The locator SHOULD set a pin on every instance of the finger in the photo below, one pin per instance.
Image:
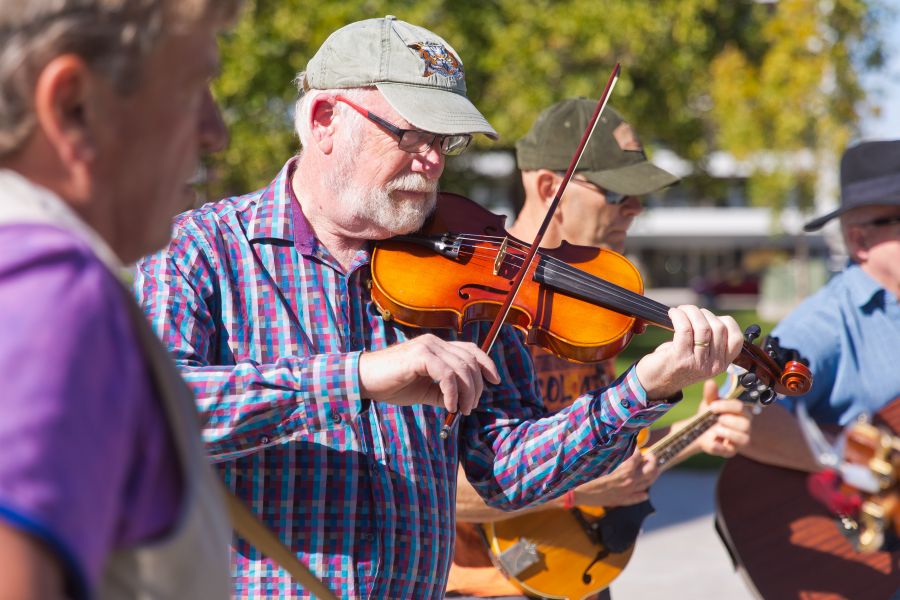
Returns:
(702, 335)
(710, 392)
(735, 337)
(728, 406)
(718, 340)
(468, 370)
(738, 423)
(442, 373)
(683, 336)
(722, 448)
(488, 368)
(636, 498)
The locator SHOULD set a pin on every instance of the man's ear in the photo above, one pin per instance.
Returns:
(60, 97)
(857, 243)
(546, 183)
(322, 116)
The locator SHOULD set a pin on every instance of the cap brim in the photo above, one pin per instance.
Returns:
(633, 180)
(819, 222)
(436, 110)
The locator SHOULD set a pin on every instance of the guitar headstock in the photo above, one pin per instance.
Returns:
(770, 369)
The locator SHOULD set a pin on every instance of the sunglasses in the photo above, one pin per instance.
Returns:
(610, 196)
(415, 141)
(882, 221)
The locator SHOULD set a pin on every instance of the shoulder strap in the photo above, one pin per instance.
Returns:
(248, 526)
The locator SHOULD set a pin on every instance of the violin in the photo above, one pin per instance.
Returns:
(580, 303)
(487, 270)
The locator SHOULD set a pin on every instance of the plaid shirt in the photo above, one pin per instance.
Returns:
(268, 328)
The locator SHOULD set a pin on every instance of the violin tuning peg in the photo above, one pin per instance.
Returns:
(767, 397)
(748, 380)
(751, 333)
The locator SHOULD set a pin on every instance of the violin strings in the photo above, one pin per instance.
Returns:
(634, 301)
(628, 300)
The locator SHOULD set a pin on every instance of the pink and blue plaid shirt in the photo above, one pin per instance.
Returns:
(268, 329)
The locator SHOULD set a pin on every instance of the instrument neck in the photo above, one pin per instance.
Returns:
(666, 449)
(564, 278)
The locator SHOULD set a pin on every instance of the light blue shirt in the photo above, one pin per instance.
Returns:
(850, 333)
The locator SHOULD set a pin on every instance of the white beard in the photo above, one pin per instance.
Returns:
(377, 209)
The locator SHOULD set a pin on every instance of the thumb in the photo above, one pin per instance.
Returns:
(710, 391)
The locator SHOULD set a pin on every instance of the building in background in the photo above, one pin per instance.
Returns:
(715, 251)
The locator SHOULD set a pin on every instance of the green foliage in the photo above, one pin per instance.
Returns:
(698, 75)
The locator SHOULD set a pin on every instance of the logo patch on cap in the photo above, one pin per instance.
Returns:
(438, 60)
(627, 138)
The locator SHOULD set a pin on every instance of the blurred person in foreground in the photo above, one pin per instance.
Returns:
(601, 201)
(850, 329)
(324, 415)
(104, 490)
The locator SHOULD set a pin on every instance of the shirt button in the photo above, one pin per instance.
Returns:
(625, 404)
(336, 417)
(264, 439)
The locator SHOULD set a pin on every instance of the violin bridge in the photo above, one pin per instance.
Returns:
(501, 254)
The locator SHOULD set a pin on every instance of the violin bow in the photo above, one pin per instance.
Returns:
(494, 332)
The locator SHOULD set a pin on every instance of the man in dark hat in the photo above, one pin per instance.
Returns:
(849, 330)
(597, 209)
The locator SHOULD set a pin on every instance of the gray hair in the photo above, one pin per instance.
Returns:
(304, 104)
(113, 36)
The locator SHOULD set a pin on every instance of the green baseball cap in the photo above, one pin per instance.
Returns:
(419, 74)
(614, 158)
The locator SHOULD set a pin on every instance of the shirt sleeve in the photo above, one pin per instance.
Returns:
(245, 405)
(66, 371)
(812, 330)
(516, 455)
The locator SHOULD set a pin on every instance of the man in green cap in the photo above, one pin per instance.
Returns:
(597, 208)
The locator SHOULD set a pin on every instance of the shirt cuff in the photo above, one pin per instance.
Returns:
(623, 408)
(334, 399)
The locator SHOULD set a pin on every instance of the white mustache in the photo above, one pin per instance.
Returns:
(412, 182)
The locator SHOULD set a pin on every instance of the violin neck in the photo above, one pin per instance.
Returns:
(564, 278)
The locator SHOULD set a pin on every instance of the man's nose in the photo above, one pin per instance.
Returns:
(430, 162)
(213, 136)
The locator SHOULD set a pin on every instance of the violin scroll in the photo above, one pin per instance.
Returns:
(771, 369)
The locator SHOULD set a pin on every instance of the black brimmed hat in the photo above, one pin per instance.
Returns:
(870, 175)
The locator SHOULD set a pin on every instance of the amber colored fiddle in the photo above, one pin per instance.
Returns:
(579, 302)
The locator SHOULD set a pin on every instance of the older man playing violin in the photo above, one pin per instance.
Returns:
(323, 415)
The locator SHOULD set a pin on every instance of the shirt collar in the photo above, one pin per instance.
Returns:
(863, 289)
(273, 215)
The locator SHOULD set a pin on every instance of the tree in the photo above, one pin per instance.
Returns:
(745, 77)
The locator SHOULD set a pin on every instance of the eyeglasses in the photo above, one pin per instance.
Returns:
(882, 221)
(611, 196)
(416, 140)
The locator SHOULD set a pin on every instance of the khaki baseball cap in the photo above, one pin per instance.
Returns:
(419, 74)
(614, 158)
